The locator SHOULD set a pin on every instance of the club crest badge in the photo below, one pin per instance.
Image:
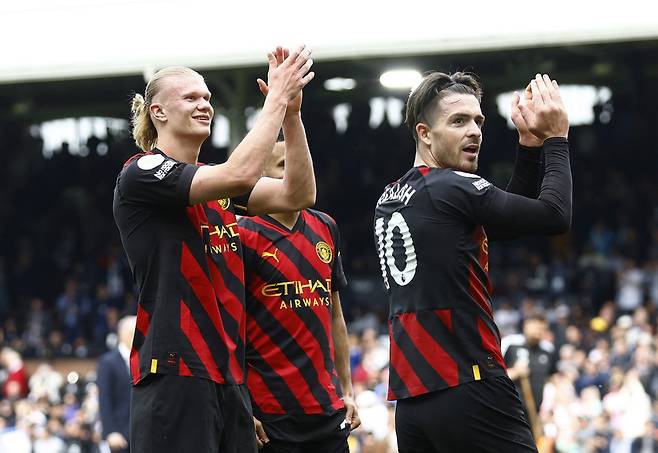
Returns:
(324, 252)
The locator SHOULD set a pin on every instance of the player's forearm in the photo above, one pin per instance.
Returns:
(508, 215)
(248, 158)
(299, 178)
(342, 355)
(526, 177)
(556, 188)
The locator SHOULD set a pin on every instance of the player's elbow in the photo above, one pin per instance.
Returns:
(307, 199)
(301, 198)
(561, 223)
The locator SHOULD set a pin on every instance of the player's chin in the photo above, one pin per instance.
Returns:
(469, 166)
(202, 131)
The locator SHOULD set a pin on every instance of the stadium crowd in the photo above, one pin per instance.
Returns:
(64, 284)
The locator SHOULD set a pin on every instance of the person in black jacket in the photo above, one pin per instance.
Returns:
(114, 388)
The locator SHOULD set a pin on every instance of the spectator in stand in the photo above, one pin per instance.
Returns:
(15, 385)
(114, 388)
(531, 361)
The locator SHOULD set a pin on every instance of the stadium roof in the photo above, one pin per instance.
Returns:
(65, 39)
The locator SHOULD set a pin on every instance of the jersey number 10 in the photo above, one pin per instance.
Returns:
(385, 247)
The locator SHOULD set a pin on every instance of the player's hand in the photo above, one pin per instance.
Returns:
(545, 114)
(294, 106)
(116, 441)
(288, 73)
(352, 415)
(261, 437)
(526, 138)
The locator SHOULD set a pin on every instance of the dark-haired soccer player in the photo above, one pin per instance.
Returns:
(179, 230)
(297, 352)
(431, 229)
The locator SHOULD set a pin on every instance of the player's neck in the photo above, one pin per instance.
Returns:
(425, 158)
(287, 219)
(179, 149)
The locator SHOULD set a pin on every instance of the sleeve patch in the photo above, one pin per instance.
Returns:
(166, 167)
(150, 161)
(481, 184)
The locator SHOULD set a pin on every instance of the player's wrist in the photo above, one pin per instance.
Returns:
(529, 141)
(275, 100)
(293, 114)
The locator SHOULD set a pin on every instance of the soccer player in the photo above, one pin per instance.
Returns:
(431, 227)
(298, 370)
(178, 227)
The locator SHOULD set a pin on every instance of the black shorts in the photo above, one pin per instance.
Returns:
(179, 414)
(306, 434)
(479, 416)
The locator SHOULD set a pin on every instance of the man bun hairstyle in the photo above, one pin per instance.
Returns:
(144, 131)
(436, 85)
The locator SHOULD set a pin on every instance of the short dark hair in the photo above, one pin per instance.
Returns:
(437, 85)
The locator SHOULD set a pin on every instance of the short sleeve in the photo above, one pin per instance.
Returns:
(240, 204)
(157, 180)
(338, 279)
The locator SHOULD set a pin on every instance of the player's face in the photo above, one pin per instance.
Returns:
(186, 105)
(456, 133)
(276, 162)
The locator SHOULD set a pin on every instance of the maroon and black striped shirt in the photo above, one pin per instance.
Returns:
(431, 231)
(290, 275)
(187, 265)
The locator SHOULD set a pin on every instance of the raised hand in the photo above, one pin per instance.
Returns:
(288, 73)
(294, 106)
(526, 138)
(545, 114)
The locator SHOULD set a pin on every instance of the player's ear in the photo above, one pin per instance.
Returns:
(423, 132)
(157, 112)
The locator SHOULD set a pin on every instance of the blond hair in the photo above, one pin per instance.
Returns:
(144, 131)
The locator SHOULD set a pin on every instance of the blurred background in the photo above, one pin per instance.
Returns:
(578, 312)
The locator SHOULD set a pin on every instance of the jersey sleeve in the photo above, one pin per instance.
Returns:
(507, 215)
(526, 176)
(156, 180)
(240, 204)
(249, 243)
(338, 278)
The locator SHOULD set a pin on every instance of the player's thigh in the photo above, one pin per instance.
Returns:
(411, 425)
(237, 422)
(280, 446)
(172, 413)
(493, 418)
(334, 443)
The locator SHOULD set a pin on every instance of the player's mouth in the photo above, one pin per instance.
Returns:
(471, 149)
(202, 118)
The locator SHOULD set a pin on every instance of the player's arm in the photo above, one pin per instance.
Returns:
(242, 170)
(296, 190)
(526, 176)
(508, 215)
(342, 359)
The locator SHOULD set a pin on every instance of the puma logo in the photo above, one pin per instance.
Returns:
(271, 255)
